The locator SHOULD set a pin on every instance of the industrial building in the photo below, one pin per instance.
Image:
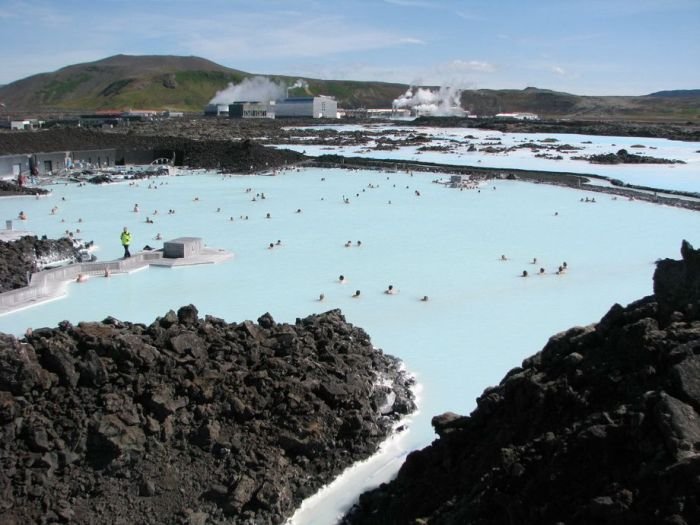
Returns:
(291, 107)
(26, 124)
(53, 162)
(518, 116)
(251, 110)
(57, 162)
(311, 107)
(216, 110)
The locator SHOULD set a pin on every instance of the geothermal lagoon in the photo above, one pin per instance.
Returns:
(482, 317)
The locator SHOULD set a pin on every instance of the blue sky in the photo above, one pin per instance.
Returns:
(591, 47)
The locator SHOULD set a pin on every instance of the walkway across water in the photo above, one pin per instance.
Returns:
(51, 284)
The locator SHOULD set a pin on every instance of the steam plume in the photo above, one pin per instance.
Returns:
(300, 84)
(254, 89)
(423, 101)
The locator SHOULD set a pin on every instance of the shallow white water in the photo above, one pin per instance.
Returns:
(481, 320)
(682, 177)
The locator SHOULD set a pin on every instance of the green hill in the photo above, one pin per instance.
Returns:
(161, 82)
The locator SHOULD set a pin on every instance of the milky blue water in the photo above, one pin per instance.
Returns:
(683, 177)
(481, 319)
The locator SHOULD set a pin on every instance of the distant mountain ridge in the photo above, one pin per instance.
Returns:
(187, 83)
(556, 104)
(677, 93)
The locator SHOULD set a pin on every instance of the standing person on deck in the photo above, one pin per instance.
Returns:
(126, 241)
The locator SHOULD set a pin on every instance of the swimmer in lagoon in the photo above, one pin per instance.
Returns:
(81, 278)
(524, 273)
(390, 290)
(357, 293)
(424, 298)
(22, 216)
(341, 279)
(541, 271)
(504, 258)
(321, 297)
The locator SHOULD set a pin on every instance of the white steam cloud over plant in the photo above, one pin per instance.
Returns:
(254, 89)
(441, 103)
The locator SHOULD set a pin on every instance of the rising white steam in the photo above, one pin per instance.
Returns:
(422, 101)
(300, 84)
(254, 89)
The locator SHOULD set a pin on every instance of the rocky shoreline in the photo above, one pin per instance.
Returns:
(687, 131)
(237, 146)
(8, 188)
(29, 254)
(674, 198)
(601, 426)
(188, 420)
(230, 156)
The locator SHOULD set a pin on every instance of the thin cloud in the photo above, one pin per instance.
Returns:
(304, 38)
(468, 16)
(409, 40)
(411, 3)
(471, 65)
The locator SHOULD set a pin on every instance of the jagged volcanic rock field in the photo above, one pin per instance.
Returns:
(600, 427)
(187, 420)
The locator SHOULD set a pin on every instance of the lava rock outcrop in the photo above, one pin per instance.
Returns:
(624, 157)
(187, 420)
(12, 188)
(600, 427)
(233, 156)
(29, 254)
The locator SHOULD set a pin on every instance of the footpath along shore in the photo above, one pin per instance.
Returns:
(51, 284)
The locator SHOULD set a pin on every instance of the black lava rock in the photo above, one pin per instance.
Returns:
(601, 426)
(186, 418)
